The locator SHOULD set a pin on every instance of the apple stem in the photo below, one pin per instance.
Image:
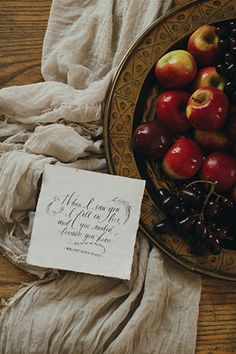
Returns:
(196, 100)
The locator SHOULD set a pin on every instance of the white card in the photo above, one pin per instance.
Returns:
(86, 222)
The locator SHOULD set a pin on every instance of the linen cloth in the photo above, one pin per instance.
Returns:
(59, 122)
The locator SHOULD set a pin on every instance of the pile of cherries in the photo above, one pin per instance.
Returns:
(227, 66)
(205, 218)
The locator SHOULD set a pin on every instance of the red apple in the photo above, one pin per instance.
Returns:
(212, 140)
(176, 69)
(207, 109)
(203, 45)
(171, 109)
(220, 167)
(183, 159)
(152, 139)
(208, 77)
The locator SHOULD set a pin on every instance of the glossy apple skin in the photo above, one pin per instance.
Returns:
(212, 140)
(183, 160)
(207, 109)
(203, 45)
(220, 167)
(176, 69)
(208, 77)
(152, 139)
(171, 109)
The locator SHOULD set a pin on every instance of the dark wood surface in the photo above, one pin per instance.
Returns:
(22, 28)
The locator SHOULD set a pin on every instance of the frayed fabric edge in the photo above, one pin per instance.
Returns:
(23, 288)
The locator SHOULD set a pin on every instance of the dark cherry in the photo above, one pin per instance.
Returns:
(229, 87)
(187, 224)
(233, 32)
(223, 44)
(222, 32)
(233, 49)
(200, 231)
(212, 210)
(227, 204)
(168, 203)
(213, 244)
(179, 211)
(198, 188)
(190, 196)
(230, 70)
(163, 226)
(163, 193)
(220, 68)
(232, 42)
(221, 232)
(232, 24)
(229, 58)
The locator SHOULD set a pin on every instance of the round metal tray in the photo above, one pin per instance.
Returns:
(131, 100)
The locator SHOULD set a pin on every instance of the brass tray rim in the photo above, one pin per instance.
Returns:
(186, 263)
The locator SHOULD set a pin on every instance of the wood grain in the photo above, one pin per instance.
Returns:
(11, 278)
(22, 28)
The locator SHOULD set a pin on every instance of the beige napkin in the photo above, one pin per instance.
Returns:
(57, 122)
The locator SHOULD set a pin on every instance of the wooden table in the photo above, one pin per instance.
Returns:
(22, 27)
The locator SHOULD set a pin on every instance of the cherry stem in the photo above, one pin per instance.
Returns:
(200, 181)
(212, 191)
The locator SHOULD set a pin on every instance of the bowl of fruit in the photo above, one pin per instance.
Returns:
(170, 118)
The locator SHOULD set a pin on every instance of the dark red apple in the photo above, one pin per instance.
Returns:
(183, 159)
(220, 167)
(208, 77)
(176, 69)
(212, 140)
(203, 45)
(152, 139)
(171, 109)
(207, 109)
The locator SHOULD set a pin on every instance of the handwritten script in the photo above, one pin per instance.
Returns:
(88, 223)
